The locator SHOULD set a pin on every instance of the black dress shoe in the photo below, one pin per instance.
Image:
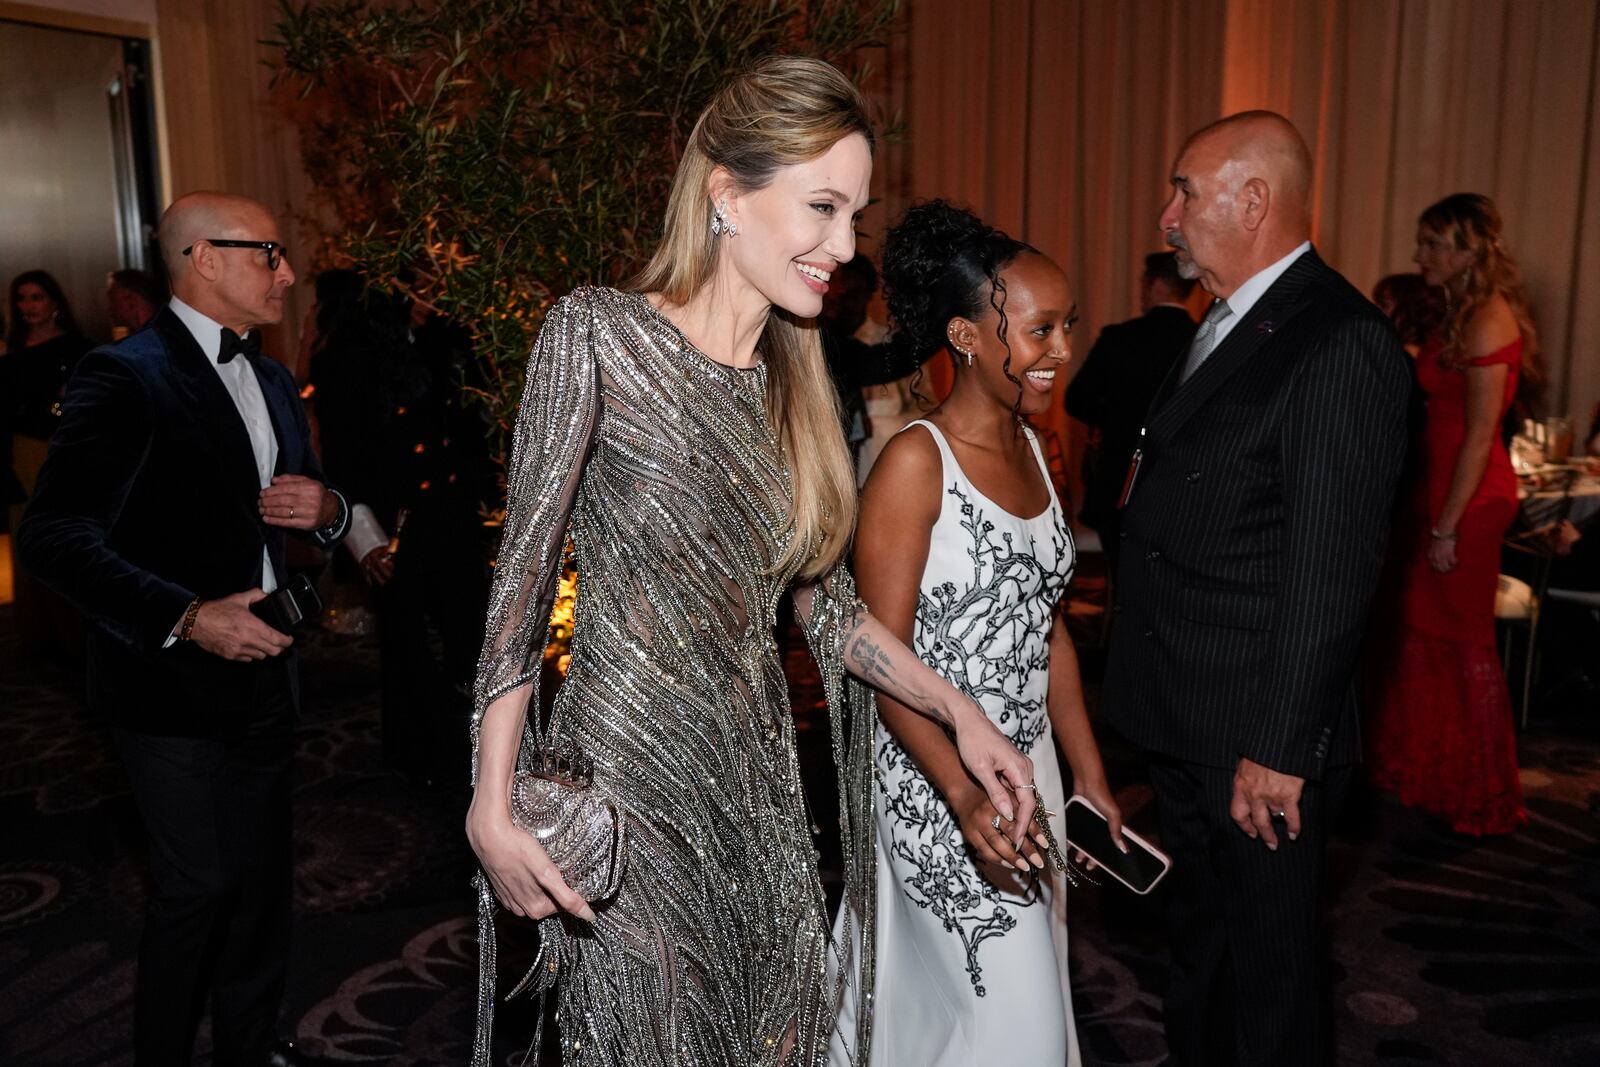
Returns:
(284, 1054)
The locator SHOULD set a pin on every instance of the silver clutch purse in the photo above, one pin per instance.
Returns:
(579, 829)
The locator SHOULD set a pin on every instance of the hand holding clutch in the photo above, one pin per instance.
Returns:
(579, 829)
(520, 872)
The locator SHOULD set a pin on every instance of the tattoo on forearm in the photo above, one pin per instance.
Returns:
(872, 662)
(875, 665)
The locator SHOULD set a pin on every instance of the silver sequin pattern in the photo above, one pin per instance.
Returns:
(664, 469)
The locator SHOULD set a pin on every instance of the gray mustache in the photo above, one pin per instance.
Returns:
(1175, 240)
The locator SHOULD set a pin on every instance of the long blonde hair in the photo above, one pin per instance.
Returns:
(782, 111)
(1472, 223)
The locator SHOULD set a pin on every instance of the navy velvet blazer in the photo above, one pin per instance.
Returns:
(1253, 539)
(149, 499)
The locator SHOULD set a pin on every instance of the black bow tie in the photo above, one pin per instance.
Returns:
(248, 346)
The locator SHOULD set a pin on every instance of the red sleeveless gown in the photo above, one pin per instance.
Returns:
(1440, 728)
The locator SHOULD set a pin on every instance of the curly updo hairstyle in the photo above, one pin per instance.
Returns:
(941, 262)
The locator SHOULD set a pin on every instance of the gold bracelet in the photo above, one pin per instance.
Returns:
(190, 614)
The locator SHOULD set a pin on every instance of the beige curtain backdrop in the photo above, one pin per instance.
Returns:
(1407, 102)
(1059, 120)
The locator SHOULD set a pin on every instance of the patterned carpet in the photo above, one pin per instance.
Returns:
(1447, 951)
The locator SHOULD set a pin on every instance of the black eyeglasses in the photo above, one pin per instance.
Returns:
(275, 251)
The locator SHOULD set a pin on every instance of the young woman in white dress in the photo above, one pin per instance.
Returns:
(963, 551)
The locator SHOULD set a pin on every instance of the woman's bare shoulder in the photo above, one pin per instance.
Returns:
(907, 475)
(1491, 328)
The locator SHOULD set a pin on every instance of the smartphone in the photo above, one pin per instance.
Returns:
(291, 607)
(1139, 868)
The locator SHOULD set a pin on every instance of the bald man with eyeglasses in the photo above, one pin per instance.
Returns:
(182, 462)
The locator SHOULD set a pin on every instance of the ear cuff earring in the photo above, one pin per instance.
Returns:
(721, 224)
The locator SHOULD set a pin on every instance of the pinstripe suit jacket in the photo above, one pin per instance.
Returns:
(1255, 532)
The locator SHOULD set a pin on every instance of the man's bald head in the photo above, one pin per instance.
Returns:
(1242, 198)
(201, 215)
(1264, 144)
(237, 286)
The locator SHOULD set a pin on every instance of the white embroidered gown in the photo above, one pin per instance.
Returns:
(972, 967)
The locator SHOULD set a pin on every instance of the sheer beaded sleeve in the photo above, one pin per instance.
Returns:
(555, 427)
(828, 610)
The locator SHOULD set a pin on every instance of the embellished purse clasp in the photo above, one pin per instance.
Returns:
(563, 766)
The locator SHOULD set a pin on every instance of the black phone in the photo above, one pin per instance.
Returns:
(291, 607)
(1139, 868)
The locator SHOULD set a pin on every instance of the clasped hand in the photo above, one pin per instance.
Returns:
(988, 834)
(985, 829)
(1005, 774)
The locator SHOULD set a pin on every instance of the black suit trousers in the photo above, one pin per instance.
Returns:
(216, 814)
(1249, 973)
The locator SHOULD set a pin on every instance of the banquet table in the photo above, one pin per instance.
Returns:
(1555, 491)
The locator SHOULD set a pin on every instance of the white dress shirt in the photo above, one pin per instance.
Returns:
(239, 378)
(1253, 289)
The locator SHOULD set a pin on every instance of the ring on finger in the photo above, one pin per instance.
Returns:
(995, 822)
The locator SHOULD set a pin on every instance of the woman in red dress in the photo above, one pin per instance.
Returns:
(1442, 734)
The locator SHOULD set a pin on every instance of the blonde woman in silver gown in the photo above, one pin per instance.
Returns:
(685, 436)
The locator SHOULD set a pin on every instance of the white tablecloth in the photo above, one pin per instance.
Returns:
(1575, 493)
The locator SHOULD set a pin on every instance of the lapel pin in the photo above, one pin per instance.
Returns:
(1266, 326)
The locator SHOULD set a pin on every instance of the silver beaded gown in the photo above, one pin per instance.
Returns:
(663, 467)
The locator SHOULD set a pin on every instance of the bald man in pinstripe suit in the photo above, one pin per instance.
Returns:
(1253, 531)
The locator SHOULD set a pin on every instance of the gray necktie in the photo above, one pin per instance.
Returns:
(1205, 338)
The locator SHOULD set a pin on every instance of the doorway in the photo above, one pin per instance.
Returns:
(78, 185)
(77, 162)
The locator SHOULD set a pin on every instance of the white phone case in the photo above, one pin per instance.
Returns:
(1133, 839)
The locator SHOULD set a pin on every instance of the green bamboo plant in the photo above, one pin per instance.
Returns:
(486, 156)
